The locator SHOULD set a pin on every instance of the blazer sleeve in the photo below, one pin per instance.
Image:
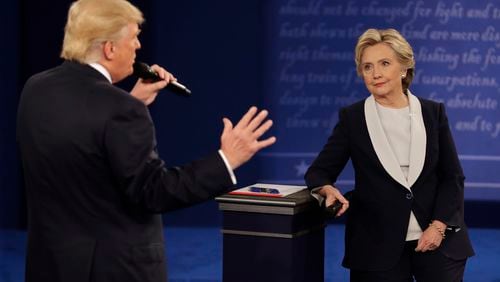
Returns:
(450, 192)
(130, 145)
(333, 157)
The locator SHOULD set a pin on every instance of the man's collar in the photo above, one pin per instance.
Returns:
(100, 68)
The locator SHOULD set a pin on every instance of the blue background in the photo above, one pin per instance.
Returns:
(234, 54)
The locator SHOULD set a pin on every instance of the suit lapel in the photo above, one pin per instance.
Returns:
(418, 139)
(383, 149)
(381, 144)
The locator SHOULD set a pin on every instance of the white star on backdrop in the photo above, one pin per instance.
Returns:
(301, 168)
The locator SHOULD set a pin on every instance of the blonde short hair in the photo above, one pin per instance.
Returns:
(93, 22)
(396, 41)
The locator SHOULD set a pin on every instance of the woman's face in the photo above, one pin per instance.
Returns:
(382, 72)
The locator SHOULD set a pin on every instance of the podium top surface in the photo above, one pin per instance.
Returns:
(291, 204)
(292, 200)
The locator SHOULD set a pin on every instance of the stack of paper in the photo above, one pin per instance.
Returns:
(268, 190)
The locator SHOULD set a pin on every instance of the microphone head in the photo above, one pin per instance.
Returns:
(144, 71)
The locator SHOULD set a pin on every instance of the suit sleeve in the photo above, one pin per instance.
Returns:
(130, 146)
(333, 157)
(450, 193)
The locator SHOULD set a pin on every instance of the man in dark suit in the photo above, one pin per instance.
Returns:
(95, 184)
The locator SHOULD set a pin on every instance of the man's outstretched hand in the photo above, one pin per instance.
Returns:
(241, 142)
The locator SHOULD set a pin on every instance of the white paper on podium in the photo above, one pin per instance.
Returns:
(284, 190)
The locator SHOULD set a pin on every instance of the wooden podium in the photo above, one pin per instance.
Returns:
(272, 239)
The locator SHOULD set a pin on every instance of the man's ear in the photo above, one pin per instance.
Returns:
(108, 49)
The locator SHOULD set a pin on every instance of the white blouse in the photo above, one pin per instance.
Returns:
(397, 128)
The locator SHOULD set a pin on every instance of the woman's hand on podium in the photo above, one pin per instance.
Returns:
(333, 195)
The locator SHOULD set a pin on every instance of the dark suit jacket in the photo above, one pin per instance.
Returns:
(377, 219)
(94, 181)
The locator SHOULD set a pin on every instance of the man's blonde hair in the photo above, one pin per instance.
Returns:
(93, 22)
(396, 41)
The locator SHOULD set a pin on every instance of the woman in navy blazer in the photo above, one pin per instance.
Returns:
(405, 217)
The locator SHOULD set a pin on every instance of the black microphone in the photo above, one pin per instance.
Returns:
(142, 70)
(332, 210)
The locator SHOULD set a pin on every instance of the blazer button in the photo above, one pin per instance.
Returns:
(409, 196)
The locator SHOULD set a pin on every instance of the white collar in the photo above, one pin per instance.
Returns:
(100, 68)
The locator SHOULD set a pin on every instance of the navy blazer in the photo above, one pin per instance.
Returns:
(94, 181)
(378, 216)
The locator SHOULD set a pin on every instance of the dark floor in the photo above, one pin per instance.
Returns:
(195, 255)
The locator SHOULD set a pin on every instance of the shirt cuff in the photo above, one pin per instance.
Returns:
(229, 168)
(317, 196)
